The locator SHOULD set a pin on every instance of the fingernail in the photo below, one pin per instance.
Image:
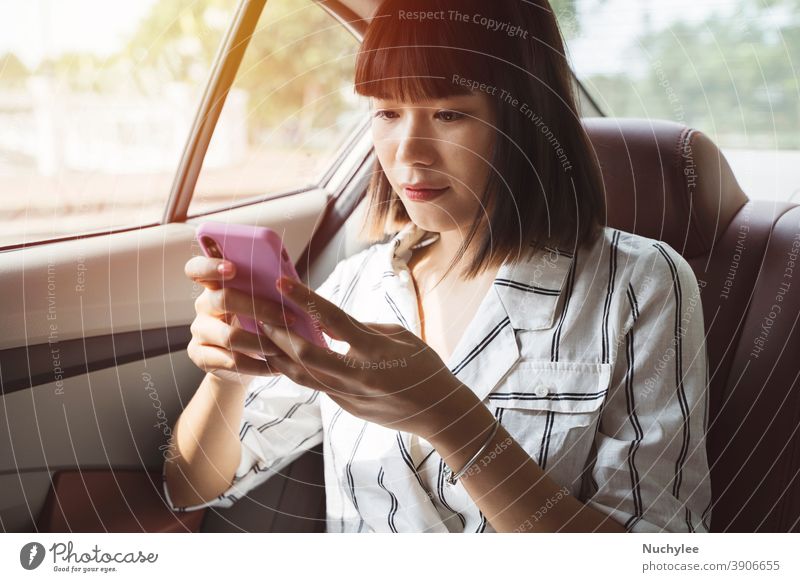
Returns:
(224, 268)
(285, 284)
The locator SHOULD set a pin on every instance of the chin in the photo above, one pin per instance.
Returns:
(432, 220)
(435, 216)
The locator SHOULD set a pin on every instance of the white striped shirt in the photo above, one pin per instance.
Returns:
(594, 362)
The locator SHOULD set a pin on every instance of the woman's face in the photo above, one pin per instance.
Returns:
(437, 156)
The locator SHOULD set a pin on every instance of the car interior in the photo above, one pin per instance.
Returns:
(83, 391)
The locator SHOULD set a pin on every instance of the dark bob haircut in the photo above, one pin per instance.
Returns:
(545, 187)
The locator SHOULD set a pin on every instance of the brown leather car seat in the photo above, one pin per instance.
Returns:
(670, 182)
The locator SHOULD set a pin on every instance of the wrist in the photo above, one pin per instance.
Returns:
(461, 421)
(466, 438)
(219, 388)
(452, 476)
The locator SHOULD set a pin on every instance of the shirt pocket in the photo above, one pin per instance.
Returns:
(563, 387)
(551, 409)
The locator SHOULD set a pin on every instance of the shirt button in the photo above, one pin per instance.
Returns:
(541, 390)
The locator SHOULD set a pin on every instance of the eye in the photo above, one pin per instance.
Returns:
(385, 114)
(449, 116)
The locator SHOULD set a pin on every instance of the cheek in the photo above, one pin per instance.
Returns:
(481, 145)
(470, 156)
(384, 148)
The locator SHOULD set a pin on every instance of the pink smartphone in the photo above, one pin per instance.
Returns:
(260, 259)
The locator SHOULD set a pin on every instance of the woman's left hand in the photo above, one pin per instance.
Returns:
(389, 376)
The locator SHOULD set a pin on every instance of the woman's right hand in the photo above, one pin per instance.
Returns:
(219, 345)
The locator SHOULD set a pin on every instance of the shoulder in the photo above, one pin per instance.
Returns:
(651, 277)
(637, 259)
(626, 274)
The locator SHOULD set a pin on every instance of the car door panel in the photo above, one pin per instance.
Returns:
(132, 287)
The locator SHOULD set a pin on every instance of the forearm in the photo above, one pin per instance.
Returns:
(508, 486)
(205, 448)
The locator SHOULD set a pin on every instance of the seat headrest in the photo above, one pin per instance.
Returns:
(665, 181)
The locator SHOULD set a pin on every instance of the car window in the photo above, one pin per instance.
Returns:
(96, 101)
(726, 67)
(290, 111)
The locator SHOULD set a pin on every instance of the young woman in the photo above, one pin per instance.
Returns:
(505, 362)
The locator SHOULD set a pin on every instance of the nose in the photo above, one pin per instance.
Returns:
(416, 144)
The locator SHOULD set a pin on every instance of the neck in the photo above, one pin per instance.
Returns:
(444, 249)
(435, 258)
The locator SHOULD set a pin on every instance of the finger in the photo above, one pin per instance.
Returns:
(230, 300)
(203, 306)
(310, 378)
(212, 331)
(310, 355)
(392, 330)
(214, 358)
(209, 270)
(336, 322)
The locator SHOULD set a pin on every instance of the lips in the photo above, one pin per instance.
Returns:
(423, 193)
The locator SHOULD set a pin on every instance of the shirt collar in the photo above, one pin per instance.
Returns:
(529, 288)
(409, 237)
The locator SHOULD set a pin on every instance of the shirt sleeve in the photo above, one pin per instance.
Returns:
(280, 421)
(651, 471)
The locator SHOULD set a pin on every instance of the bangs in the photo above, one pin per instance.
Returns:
(413, 61)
